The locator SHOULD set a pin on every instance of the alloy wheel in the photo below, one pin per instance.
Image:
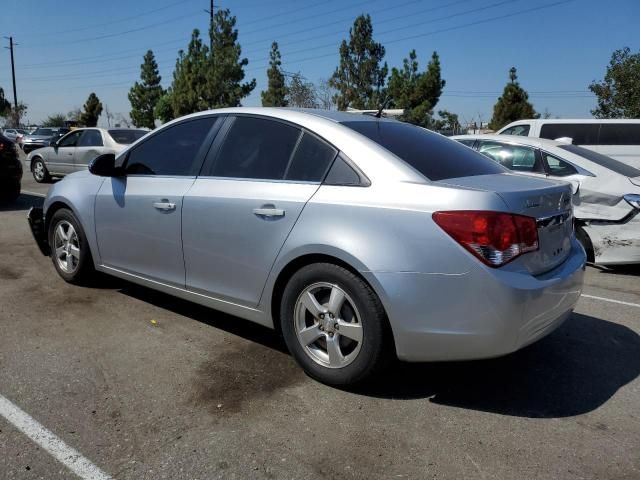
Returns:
(66, 246)
(38, 170)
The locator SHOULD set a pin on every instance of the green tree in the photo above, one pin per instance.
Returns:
(225, 71)
(416, 92)
(92, 110)
(164, 108)
(188, 90)
(5, 105)
(512, 105)
(619, 93)
(301, 94)
(55, 120)
(359, 78)
(144, 96)
(276, 93)
(448, 121)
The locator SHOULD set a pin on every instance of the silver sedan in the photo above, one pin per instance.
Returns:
(76, 149)
(360, 239)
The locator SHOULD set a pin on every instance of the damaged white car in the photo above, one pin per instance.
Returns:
(606, 196)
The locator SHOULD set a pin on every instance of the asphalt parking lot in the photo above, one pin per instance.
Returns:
(143, 385)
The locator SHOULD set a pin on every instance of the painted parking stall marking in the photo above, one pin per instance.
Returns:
(68, 456)
(611, 300)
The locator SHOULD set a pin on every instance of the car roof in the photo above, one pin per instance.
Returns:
(572, 120)
(514, 139)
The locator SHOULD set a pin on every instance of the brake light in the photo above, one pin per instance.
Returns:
(496, 238)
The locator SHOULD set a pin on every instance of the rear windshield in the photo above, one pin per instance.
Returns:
(433, 155)
(44, 132)
(603, 160)
(126, 137)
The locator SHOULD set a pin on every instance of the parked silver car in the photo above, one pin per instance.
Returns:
(14, 134)
(76, 149)
(358, 238)
(41, 137)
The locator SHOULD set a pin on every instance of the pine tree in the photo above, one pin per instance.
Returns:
(301, 94)
(164, 107)
(416, 92)
(276, 93)
(359, 78)
(92, 111)
(512, 105)
(188, 90)
(144, 96)
(225, 71)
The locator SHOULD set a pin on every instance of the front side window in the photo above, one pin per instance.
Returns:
(171, 151)
(90, 138)
(513, 157)
(256, 148)
(579, 133)
(434, 156)
(519, 130)
(71, 140)
(558, 167)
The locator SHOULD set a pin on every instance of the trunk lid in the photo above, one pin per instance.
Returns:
(548, 201)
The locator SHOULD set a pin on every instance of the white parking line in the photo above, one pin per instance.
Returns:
(66, 455)
(33, 193)
(619, 302)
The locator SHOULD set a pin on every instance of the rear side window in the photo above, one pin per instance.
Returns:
(256, 148)
(126, 137)
(311, 160)
(519, 130)
(602, 160)
(580, 133)
(619, 134)
(513, 157)
(558, 167)
(468, 143)
(171, 151)
(90, 138)
(433, 155)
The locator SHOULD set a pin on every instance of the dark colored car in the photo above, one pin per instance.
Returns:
(10, 170)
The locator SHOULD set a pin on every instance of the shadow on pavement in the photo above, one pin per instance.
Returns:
(573, 371)
(23, 202)
(633, 270)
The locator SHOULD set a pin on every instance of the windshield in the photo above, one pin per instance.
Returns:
(434, 156)
(125, 137)
(45, 132)
(603, 160)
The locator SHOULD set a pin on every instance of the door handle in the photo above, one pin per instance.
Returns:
(268, 211)
(164, 205)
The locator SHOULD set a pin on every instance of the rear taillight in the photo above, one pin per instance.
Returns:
(495, 238)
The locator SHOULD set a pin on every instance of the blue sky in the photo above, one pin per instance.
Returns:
(70, 48)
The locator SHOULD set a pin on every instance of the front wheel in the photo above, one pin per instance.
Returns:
(69, 248)
(334, 325)
(40, 172)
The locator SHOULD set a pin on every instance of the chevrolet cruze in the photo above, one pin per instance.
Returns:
(359, 238)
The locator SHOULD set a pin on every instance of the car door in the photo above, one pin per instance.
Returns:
(138, 216)
(59, 157)
(518, 158)
(89, 146)
(257, 178)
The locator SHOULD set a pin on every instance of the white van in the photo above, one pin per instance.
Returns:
(619, 139)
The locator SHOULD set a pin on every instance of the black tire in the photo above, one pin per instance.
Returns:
(40, 178)
(584, 239)
(83, 271)
(376, 346)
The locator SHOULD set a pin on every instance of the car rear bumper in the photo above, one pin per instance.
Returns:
(36, 223)
(481, 313)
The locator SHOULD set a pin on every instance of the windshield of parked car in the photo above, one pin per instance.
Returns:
(45, 132)
(433, 155)
(125, 137)
(603, 160)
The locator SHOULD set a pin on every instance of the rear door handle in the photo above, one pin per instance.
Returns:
(164, 205)
(268, 211)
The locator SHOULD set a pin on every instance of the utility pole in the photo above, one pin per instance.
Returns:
(13, 76)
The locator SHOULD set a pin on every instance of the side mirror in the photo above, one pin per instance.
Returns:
(567, 140)
(105, 166)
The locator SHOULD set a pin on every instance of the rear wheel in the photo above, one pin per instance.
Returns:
(69, 248)
(585, 241)
(39, 170)
(334, 325)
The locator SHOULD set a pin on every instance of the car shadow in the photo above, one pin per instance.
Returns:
(574, 370)
(24, 202)
(633, 270)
